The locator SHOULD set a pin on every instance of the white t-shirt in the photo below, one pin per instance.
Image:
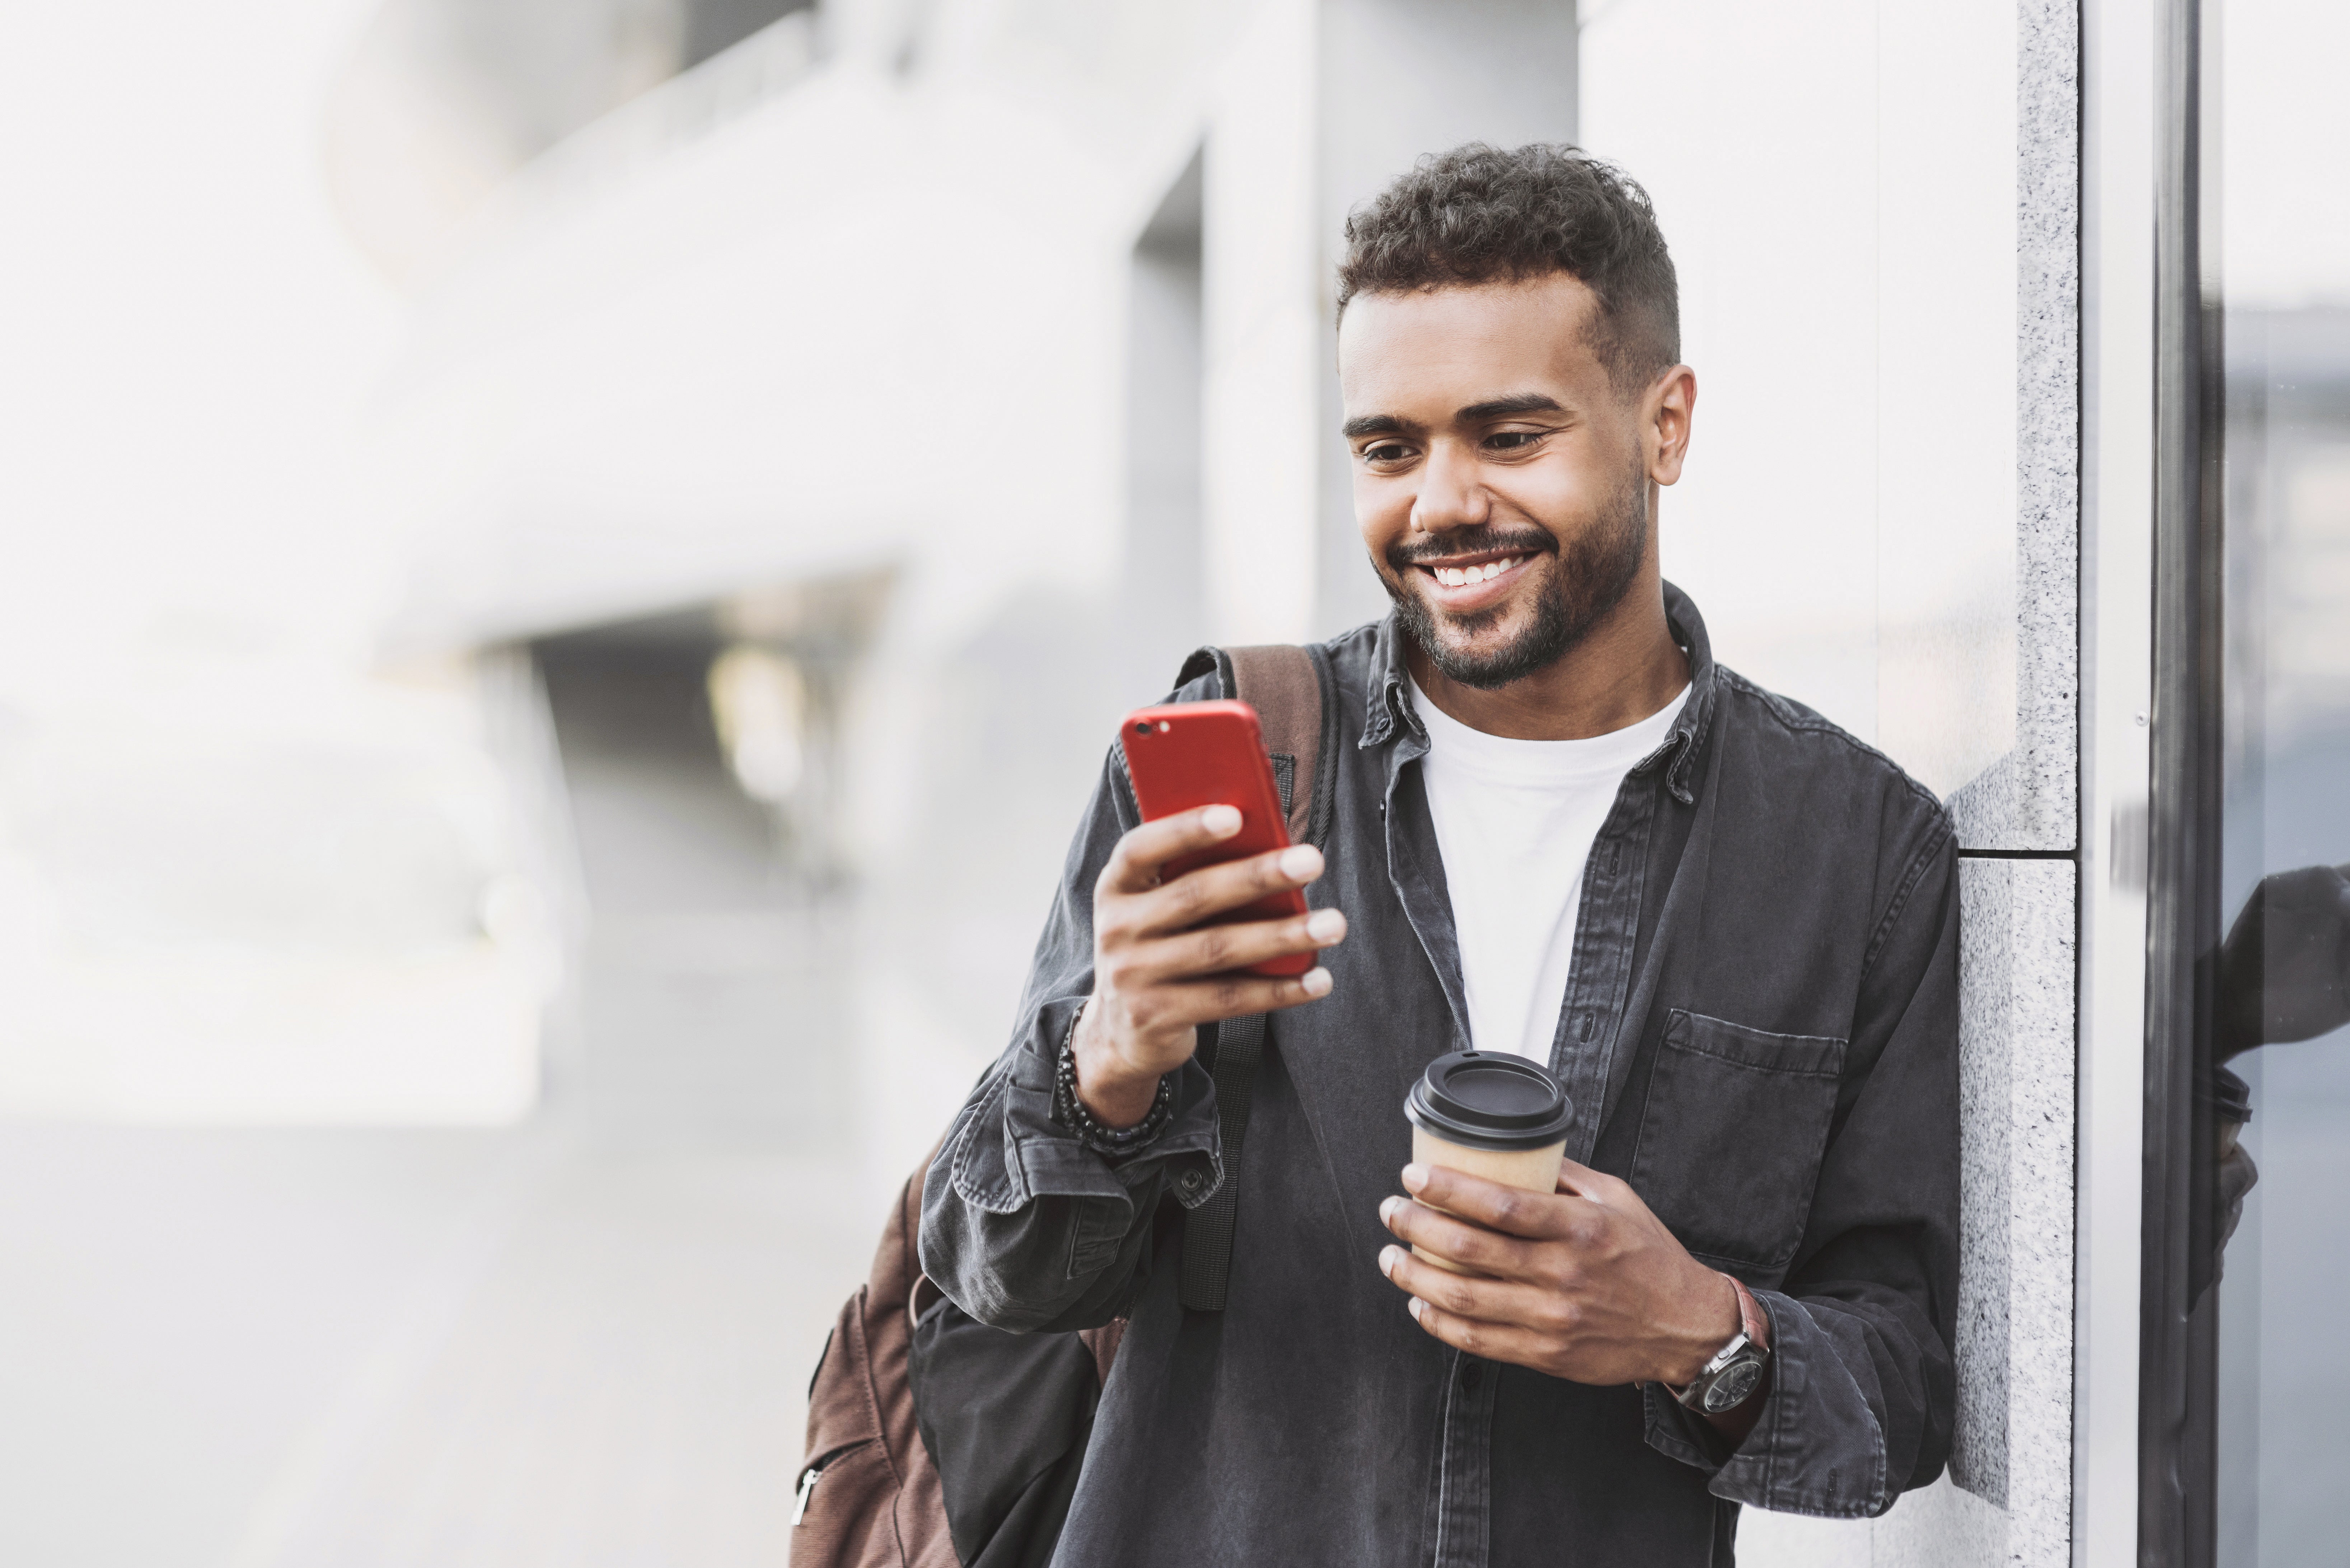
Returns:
(1515, 822)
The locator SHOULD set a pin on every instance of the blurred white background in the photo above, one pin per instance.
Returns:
(249, 873)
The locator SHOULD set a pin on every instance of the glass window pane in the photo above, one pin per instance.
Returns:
(2283, 993)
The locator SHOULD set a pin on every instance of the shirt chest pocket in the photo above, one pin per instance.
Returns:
(1731, 1135)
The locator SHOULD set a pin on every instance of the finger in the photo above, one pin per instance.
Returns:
(1470, 1246)
(1513, 1210)
(1494, 1341)
(1215, 950)
(1238, 995)
(1499, 1302)
(1133, 863)
(1183, 903)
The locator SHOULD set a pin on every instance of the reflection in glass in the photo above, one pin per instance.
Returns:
(2283, 973)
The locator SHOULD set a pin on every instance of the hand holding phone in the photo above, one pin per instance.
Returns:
(1200, 914)
(1192, 754)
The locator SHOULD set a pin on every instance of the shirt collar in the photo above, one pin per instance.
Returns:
(1388, 710)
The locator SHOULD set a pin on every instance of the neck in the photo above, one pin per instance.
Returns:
(1625, 670)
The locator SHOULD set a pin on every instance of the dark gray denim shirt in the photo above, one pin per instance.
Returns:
(1761, 1036)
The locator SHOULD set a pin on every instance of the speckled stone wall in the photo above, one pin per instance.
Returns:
(2015, 1297)
(2007, 1498)
(2030, 798)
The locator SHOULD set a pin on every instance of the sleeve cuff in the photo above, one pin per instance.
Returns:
(1816, 1446)
(1002, 1168)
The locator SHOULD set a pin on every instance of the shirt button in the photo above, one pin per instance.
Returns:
(1468, 1378)
(1193, 1180)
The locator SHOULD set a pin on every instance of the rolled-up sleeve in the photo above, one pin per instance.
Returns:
(1863, 1388)
(1024, 1226)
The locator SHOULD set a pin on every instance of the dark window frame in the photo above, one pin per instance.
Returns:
(2177, 1470)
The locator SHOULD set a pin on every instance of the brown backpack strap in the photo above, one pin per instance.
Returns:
(1281, 682)
(1295, 695)
(1290, 687)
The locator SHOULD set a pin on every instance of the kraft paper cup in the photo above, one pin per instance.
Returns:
(1501, 1117)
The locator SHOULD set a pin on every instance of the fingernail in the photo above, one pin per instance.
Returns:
(1387, 1208)
(1417, 1306)
(1389, 1258)
(1415, 1176)
(1223, 821)
(1301, 863)
(1325, 926)
(1317, 981)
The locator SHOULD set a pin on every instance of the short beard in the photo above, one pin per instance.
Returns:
(1586, 584)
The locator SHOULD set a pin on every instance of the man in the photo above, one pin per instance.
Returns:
(1560, 830)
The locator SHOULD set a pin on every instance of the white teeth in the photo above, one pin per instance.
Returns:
(1461, 577)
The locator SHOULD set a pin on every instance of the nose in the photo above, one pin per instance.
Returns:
(1450, 495)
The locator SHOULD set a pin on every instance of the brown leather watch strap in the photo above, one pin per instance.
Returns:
(1751, 1315)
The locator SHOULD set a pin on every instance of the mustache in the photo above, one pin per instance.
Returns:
(1472, 541)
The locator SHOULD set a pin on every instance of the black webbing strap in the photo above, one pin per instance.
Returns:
(1208, 1230)
(1290, 687)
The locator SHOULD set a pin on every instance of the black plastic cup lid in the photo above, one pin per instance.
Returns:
(1484, 1099)
(2231, 1096)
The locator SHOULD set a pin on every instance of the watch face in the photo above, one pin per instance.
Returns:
(1731, 1389)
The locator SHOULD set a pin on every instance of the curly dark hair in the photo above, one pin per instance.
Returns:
(1477, 214)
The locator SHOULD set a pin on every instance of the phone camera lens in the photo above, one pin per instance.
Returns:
(1142, 729)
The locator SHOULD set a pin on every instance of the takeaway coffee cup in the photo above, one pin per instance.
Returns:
(1501, 1117)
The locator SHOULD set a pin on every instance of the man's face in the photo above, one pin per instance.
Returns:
(1500, 482)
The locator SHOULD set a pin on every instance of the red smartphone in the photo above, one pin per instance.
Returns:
(1190, 754)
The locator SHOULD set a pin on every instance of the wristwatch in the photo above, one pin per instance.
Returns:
(1730, 1379)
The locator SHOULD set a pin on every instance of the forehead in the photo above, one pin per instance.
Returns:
(1448, 348)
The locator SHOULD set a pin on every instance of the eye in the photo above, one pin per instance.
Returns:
(1512, 441)
(1387, 451)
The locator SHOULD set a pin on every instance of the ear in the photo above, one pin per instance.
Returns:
(1664, 416)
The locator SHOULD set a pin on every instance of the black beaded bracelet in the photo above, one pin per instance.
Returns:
(1071, 1113)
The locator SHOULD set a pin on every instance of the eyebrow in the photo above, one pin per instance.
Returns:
(1503, 408)
(1475, 413)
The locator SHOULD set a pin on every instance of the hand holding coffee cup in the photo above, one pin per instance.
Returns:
(1518, 1254)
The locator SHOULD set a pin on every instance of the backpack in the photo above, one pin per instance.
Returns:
(935, 1441)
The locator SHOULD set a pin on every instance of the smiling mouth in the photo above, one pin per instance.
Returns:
(1461, 574)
